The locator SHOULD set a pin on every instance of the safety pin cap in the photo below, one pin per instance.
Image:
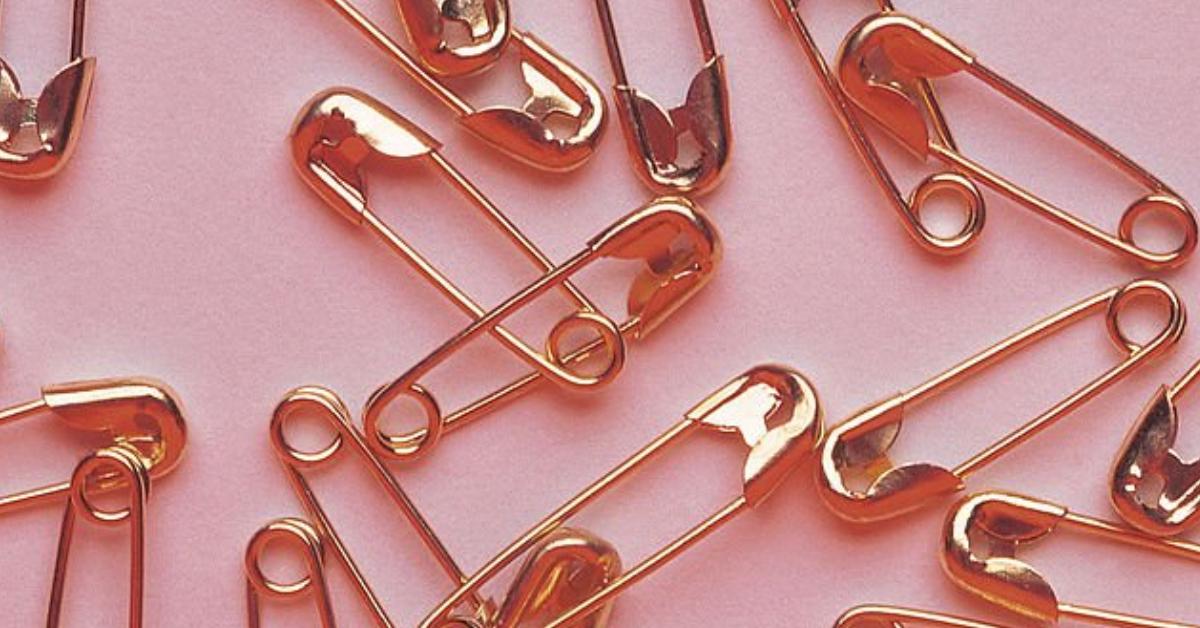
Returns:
(141, 412)
(778, 415)
(342, 130)
(487, 26)
(58, 115)
(561, 571)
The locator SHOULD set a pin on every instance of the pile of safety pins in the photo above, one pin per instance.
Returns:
(566, 576)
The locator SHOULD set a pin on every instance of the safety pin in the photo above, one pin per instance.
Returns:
(556, 88)
(1148, 452)
(775, 411)
(859, 445)
(122, 461)
(297, 533)
(653, 133)
(487, 24)
(913, 50)
(137, 412)
(907, 208)
(989, 568)
(56, 116)
(340, 131)
(876, 616)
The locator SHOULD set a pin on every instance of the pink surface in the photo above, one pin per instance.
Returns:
(180, 244)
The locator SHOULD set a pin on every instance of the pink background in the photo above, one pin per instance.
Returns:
(180, 244)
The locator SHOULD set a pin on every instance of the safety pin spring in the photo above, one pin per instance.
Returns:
(992, 571)
(1148, 453)
(141, 413)
(55, 117)
(913, 50)
(296, 533)
(557, 89)
(859, 445)
(653, 133)
(127, 463)
(342, 130)
(487, 24)
(773, 409)
(877, 615)
(907, 208)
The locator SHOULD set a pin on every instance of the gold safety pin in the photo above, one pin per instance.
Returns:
(907, 208)
(127, 463)
(487, 27)
(557, 89)
(140, 413)
(1001, 523)
(913, 50)
(773, 409)
(1147, 455)
(55, 117)
(858, 446)
(886, 616)
(653, 133)
(297, 533)
(341, 131)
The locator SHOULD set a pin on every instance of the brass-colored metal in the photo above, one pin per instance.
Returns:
(879, 66)
(127, 463)
(341, 131)
(907, 208)
(884, 616)
(653, 133)
(1148, 455)
(139, 413)
(298, 533)
(39, 135)
(487, 27)
(773, 409)
(557, 89)
(983, 533)
(858, 446)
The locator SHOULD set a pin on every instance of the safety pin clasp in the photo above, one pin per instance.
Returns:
(54, 118)
(487, 28)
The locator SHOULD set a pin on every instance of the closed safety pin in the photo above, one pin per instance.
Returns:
(125, 462)
(907, 208)
(1147, 455)
(557, 89)
(910, 50)
(884, 616)
(487, 27)
(343, 130)
(55, 117)
(137, 412)
(653, 133)
(773, 409)
(1000, 523)
(298, 533)
(859, 445)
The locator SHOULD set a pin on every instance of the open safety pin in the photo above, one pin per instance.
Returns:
(341, 131)
(885, 55)
(1147, 455)
(653, 134)
(557, 89)
(886, 616)
(773, 409)
(55, 117)
(859, 445)
(487, 24)
(907, 208)
(983, 533)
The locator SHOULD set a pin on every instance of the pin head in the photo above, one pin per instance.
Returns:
(485, 29)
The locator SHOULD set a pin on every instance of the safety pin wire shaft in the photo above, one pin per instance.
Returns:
(36, 496)
(703, 30)
(79, 14)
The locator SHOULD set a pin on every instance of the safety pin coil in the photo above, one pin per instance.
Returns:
(487, 26)
(297, 533)
(1147, 455)
(141, 413)
(914, 51)
(775, 412)
(858, 446)
(557, 89)
(55, 117)
(886, 616)
(653, 134)
(983, 533)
